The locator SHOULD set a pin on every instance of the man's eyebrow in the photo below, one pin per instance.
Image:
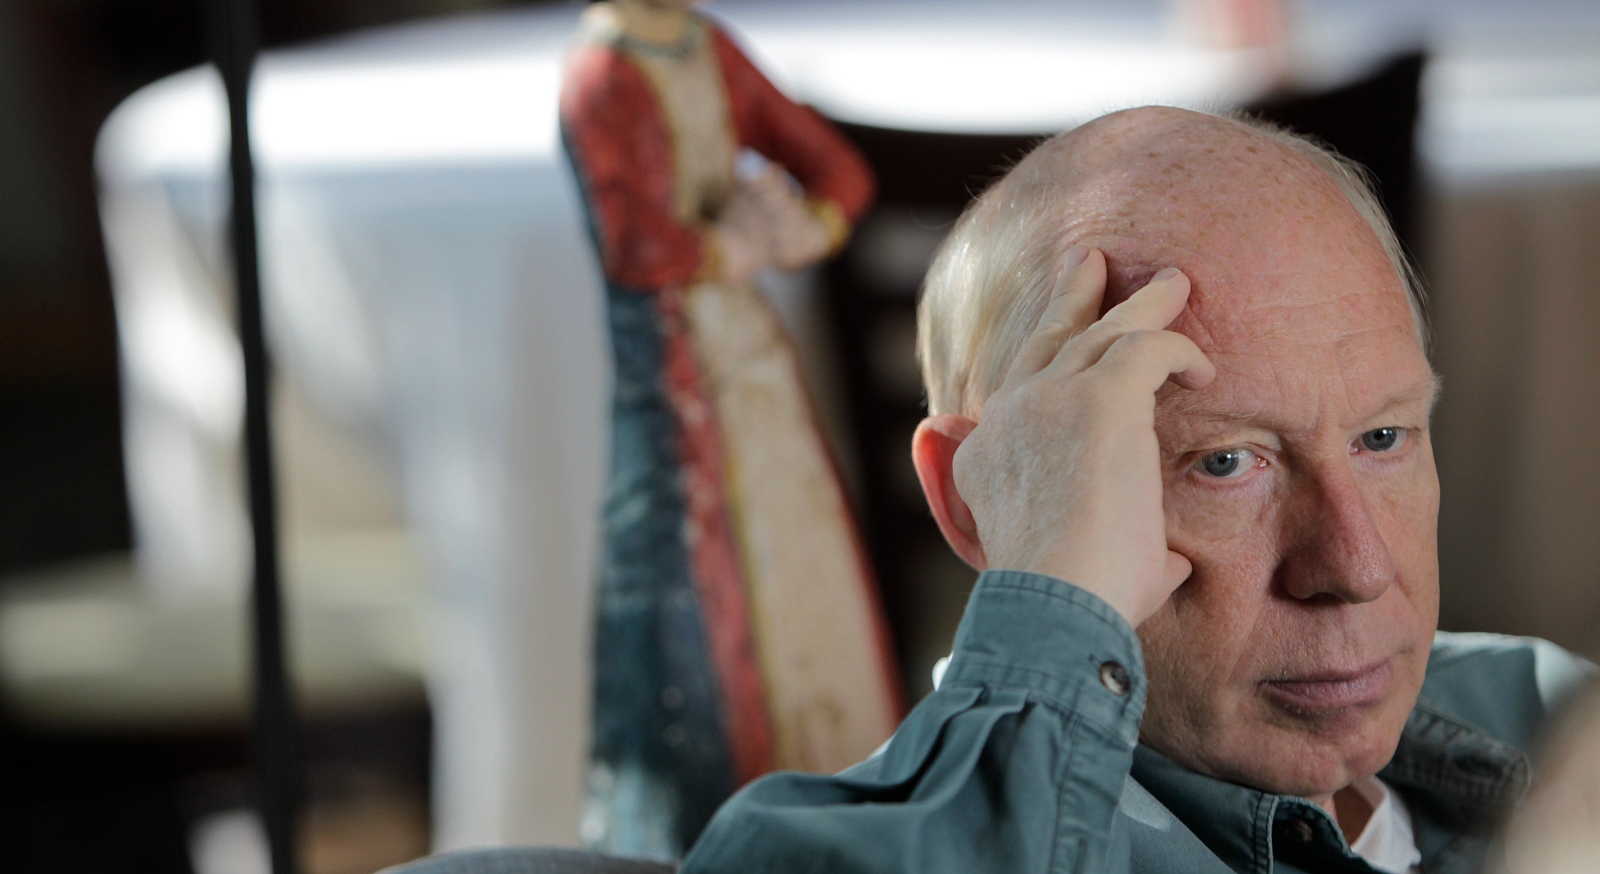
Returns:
(1428, 392)
(1189, 404)
(1416, 393)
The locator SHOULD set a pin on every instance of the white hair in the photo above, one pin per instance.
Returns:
(991, 278)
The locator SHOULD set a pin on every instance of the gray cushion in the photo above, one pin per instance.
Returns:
(529, 860)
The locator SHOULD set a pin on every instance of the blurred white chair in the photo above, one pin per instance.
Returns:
(436, 326)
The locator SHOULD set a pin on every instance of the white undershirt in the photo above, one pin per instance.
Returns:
(1387, 842)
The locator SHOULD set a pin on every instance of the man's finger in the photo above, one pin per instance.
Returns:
(1073, 303)
(1151, 308)
(1150, 358)
(1178, 569)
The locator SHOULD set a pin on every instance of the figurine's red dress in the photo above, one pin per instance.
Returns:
(739, 630)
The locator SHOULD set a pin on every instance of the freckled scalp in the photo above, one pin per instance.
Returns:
(1226, 201)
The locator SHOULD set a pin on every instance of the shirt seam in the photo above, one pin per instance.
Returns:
(1060, 779)
(1261, 824)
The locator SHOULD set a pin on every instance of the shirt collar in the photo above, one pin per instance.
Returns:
(1456, 778)
(1233, 821)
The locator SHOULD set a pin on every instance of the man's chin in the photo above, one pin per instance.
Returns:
(1312, 756)
(1287, 750)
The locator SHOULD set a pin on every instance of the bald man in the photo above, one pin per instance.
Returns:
(1179, 397)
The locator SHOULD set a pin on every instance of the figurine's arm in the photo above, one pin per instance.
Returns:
(839, 184)
(623, 157)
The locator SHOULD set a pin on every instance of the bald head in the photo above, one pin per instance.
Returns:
(1152, 187)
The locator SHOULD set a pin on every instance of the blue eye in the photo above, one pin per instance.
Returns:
(1383, 439)
(1226, 463)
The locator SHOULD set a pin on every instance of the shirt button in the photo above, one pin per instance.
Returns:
(1301, 831)
(1115, 677)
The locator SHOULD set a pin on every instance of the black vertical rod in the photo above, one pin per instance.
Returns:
(274, 763)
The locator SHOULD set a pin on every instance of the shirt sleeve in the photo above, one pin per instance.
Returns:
(1015, 764)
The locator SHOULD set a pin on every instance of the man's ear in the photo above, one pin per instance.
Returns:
(933, 452)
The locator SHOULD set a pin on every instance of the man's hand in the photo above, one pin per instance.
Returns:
(1062, 474)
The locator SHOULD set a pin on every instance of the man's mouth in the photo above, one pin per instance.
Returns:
(1325, 692)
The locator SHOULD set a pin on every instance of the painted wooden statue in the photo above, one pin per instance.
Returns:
(738, 625)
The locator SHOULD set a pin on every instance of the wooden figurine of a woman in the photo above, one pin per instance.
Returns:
(738, 624)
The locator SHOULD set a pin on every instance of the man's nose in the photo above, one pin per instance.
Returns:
(1336, 548)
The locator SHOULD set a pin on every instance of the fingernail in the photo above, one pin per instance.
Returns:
(1075, 256)
(1165, 274)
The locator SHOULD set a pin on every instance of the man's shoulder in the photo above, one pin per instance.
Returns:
(1506, 686)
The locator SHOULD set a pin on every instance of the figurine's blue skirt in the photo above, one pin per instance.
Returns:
(661, 764)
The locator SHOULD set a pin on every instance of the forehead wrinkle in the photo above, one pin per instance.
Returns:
(1281, 399)
(1198, 409)
(1194, 405)
(1276, 253)
(1250, 327)
(1227, 298)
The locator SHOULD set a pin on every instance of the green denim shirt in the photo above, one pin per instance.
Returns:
(1026, 759)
